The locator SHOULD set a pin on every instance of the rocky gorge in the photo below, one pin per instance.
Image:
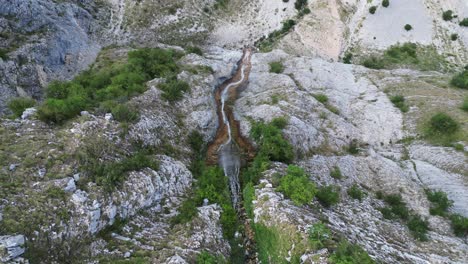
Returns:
(109, 186)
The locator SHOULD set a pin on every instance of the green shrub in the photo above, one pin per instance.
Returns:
(464, 22)
(206, 258)
(328, 195)
(396, 209)
(187, 211)
(19, 104)
(173, 90)
(454, 37)
(296, 186)
(418, 227)
(4, 54)
(408, 27)
(276, 67)
(124, 113)
(385, 3)
(399, 102)
(272, 145)
(336, 173)
(442, 124)
(322, 98)
(195, 50)
(347, 58)
(353, 147)
(464, 105)
(372, 9)
(319, 235)
(355, 192)
(447, 15)
(440, 203)
(460, 80)
(300, 4)
(347, 253)
(373, 63)
(459, 225)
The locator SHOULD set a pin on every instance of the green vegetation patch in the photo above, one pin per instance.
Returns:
(276, 67)
(113, 81)
(440, 203)
(297, 186)
(328, 195)
(460, 80)
(19, 104)
(407, 54)
(399, 102)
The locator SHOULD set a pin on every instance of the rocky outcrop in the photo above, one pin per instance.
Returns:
(11, 248)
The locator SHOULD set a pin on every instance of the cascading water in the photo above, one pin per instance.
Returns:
(229, 148)
(229, 154)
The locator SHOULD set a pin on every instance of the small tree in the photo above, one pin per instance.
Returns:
(447, 15)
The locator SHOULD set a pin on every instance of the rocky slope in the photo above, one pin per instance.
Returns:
(52, 210)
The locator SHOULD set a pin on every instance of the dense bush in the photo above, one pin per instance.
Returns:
(408, 27)
(385, 3)
(442, 124)
(447, 15)
(19, 104)
(460, 80)
(328, 195)
(418, 227)
(336, 173)
(372, 9)
(112, 81)
(355, 192)
(399, 102)
(459, 225)
(347, 253)
(276, 67)
(440, 203)
(296, 186)
(464, 22)
(272, 144)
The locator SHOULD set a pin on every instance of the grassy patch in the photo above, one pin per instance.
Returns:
(335, 173)
(349, 253)
(399, 102)
(276, 67)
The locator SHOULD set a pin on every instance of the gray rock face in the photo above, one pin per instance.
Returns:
(11, 247)
(46, 40)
